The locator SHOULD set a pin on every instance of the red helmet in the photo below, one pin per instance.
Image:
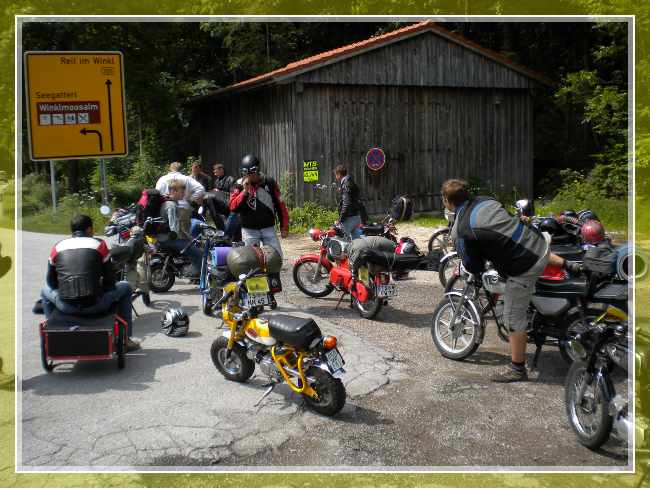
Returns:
(592, 232)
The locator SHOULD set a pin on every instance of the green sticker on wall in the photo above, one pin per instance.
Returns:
(310, 171)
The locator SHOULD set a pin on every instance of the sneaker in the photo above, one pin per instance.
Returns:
(132, 345)
(509, 375)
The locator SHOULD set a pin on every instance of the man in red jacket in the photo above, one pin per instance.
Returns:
(256, 198)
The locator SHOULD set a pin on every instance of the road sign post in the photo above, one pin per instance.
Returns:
(53, 185)
(102, 177)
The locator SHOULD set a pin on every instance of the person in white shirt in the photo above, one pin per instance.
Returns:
(194, 192)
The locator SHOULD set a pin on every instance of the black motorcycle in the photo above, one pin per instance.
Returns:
(593, 406)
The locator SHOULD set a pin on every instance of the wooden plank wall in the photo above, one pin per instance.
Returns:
(259, 122)
(423, 60)
(428, 135)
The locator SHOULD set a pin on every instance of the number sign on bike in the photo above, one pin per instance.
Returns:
(375, 159)
(75, 104)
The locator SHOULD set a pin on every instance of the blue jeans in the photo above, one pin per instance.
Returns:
(178, 245)
(264, 236)
(195, 228)
(120, 295)
(351, 226)
(232, 227)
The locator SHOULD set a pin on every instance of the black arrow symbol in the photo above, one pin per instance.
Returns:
(99, 134)
(110, 112)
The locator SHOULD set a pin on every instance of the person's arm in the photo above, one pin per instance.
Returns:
(196, 190)
(346, 201)
(52, 277)
(108, 275)
(281, 211)
(238, 198)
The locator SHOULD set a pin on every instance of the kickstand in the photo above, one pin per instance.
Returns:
(266, 393)
(538, 350)
(340, 300)
(134, 311)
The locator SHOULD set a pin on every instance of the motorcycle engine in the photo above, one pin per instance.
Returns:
(267, 366)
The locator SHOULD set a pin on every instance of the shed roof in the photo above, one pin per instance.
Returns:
(328, 57)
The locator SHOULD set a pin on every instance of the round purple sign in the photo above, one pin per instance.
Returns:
(375, 159)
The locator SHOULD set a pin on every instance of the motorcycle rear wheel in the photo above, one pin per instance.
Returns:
(370, 308)
(303, 273)
(446, 271)
(594, 406)
(161, 280)
(441, 331)
(439, 241)
(330, 390)
(236, 368)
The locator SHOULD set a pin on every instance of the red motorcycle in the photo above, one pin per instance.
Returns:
(319, 274)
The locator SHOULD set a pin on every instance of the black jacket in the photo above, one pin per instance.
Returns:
(349, 204)
(224, 183)
(79, 267)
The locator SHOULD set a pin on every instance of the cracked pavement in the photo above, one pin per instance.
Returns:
(407, 406)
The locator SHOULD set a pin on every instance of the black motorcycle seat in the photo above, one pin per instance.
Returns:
(612, 291)
(59, 321)
(373, 229)
(569, 252)
(295, 331)
(566, 288)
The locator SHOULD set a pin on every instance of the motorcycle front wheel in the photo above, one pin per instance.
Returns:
(309, 281)
(460, 340)
(237, 367)
(161, 279)
(330, 390)
(589, 418)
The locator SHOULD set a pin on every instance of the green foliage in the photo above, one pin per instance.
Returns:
(288, 188)
(429, 220)
(310, 215)
(478, 186)
(7, 201)
(36, 192)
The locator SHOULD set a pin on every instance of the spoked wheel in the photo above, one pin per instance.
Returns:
(448, 269)
(47, 365)
(439, 241)
(458, 340)
(161, 279)
(312, 281)
(371, 307)
(233, 367)
(589, 416)
(330, 390)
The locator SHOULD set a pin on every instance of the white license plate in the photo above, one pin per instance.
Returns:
(386, 290)
(256, 299)
(334, 360)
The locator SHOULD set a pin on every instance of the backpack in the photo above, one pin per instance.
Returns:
(401, 208)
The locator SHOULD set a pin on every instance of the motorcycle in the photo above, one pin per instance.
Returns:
(288, 349)
(562, 307)
(593, 406)
(440, 240)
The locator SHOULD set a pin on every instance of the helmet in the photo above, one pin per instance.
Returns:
(175, 322)
(585, 215)
(592, 232)
(249, 164)
(550, 225)
(525, 207)
(569, 213)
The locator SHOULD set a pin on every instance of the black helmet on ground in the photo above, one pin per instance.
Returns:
(175, 322)
(525, 207)
(249, 164)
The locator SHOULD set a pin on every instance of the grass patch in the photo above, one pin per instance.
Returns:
(429, 220)
(50, 223)
(611, 212)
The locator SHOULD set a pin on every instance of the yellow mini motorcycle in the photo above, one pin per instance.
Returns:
(287, 349)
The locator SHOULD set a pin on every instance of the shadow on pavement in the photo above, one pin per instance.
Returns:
(89, 377)
(149, 323)
(354, 414)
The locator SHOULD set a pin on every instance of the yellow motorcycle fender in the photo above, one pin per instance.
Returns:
(227, 334)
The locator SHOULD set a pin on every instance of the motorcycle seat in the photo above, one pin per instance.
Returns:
(570, 252)
(372, 229)
(566, 288)
(59, 321)
(295, 331)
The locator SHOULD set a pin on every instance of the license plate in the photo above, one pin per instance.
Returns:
(334, 360)
(256, 299)
(363, 274)
(258, 284)
(386, 290)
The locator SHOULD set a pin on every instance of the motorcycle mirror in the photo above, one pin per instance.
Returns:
(105, 210)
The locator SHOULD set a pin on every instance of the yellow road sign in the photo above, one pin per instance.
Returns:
(75, 103)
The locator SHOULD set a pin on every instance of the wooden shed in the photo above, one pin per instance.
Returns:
(435, 103)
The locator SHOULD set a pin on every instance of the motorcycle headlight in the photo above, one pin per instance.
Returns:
(578, 349)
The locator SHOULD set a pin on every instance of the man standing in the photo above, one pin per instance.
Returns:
(174, 240)
(256, 198)
(194, 192)
(349, 205)
(483, 230)
(80, 278)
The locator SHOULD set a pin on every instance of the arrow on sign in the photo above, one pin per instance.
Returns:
(110, 112)
(99, 134)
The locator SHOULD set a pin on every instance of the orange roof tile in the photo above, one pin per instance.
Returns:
(313, 62)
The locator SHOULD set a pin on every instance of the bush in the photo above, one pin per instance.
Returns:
(7, 205)
(37, 193)
(310, 215)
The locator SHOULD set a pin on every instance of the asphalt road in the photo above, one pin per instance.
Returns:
(407, 407)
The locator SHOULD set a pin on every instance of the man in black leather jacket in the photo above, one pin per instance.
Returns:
(349, 205)
(80, 278)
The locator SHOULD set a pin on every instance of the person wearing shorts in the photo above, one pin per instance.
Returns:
(484, 231)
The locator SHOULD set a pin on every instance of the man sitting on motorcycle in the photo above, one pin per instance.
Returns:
(80, 279)
(178, 227)
(484, 230)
